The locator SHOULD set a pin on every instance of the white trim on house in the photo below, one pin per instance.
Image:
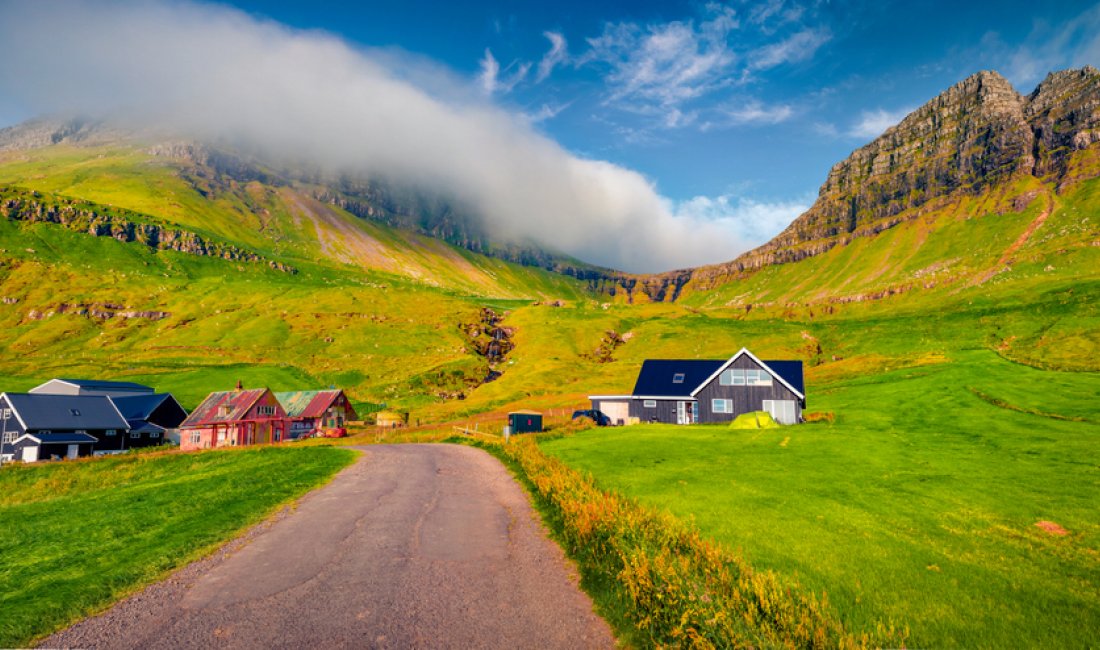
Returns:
(14, 410)
(760, 363)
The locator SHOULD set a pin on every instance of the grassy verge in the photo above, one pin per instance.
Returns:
(79, 535)
(659, 582)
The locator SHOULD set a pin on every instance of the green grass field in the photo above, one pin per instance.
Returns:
(917, 506)
(76, 536)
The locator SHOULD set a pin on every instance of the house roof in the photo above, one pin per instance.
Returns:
(59, 438)
(139, 407)
(238, 403)
(46, 411)
(657, 376)
(101, 385)
(791, 372)
(524, 412)
(307, 403)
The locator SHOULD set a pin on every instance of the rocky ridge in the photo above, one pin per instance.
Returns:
(978, 134)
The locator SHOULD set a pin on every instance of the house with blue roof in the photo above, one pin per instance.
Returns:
(153, 418)
(41, 426)
(92, 387)
(689, 391)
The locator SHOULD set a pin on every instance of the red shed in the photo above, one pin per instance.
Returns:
(234, 418)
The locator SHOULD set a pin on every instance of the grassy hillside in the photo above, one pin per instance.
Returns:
(79, 535)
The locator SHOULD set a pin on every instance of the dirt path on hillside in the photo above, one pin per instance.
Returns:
(1020, 241)
(413, 546)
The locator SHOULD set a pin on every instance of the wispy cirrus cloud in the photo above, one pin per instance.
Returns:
(665, 64)
(793, 49)
(490, 76)
(687, 68)
(557, 54)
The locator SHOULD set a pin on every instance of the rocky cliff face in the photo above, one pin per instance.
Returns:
(977, 134)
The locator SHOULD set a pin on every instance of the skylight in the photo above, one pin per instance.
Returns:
(678, 378)
(74, 411)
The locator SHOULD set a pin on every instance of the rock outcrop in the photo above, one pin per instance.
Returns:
(122, 225)
(978, 134)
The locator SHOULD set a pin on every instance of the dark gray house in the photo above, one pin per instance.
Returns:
(150, 417)
(686, 391)
(44, 417)
(91, 387)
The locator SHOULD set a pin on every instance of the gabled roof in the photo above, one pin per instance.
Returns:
(59, 438)
(238, 403)
(775, 373)
(139, 407)
(307, 403)
(65, 412)
(656, 378)
(100, 385)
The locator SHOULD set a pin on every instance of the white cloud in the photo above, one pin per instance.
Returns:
(213, 72)
(753, 112)
(545, 112)
(665, 64)
(874, 123)
(489, 71)
(754, 222)
(795, 48)
(490, 77)
(556, 55)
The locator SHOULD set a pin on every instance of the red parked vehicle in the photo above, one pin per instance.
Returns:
(338, 432)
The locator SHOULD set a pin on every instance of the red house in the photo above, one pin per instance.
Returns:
(235, 418)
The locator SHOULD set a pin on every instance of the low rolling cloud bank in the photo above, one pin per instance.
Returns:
(214, 72)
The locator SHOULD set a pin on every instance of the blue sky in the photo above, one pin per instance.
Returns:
(640, 135)
(743, 99)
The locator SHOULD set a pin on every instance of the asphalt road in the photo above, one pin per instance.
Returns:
(413, 546)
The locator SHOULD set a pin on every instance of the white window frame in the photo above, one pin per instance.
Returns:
(135, 435)
(154, 434)
(266, 410)
(9, 437)
(110, 432)
(5, 414)
(727, 405)
(196, 437)
(649, 403)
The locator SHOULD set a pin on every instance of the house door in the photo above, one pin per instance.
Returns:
(30, 454)
(74, 451)
(685, 413)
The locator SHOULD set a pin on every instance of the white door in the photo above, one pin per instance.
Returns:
(30, 454)
(74, 451)
(684, 412)
(782, 411)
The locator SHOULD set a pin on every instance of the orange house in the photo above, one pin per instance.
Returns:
(235, 418)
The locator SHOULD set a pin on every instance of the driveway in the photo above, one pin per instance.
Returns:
(413, 546)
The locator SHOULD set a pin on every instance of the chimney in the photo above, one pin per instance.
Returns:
(239, 386)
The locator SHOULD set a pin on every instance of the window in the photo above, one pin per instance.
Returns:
(9, 437)
(154, 434)
(110, 432)
(46, 431)
(80, 431)
(5, 414)
(266, 410)
(196, 437)
(742, 377)
(650, 403)
(224, 411)
(721, 406)
(678, 378)
(74, 411)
